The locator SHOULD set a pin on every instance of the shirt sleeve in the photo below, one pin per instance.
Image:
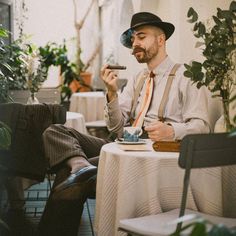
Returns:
(117, 111)
(194, 109)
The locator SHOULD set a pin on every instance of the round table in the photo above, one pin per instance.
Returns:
(90, 104)
(137, 183)
(76, 120)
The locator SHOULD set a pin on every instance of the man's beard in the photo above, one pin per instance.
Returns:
(146, 55)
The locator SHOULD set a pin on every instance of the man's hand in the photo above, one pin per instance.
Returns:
(109, 78)
(158, 131)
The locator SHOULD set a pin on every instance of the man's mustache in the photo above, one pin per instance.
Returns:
(137, 49)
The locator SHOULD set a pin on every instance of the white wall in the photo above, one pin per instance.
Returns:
(53, 21)
(186, 40)
(181, 44)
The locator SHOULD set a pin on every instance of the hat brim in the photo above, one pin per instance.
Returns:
(167, 27)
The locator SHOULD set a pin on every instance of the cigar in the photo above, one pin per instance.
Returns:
(116, 67)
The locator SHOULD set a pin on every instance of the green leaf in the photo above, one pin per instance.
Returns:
(199, 229)
(202, 29)
(196, 69)
(216, 19)
(219, 230)
(197, 35)
(3, 33)
(188, 67)
(195, 27)
(188, 74)
(219, 55)
(233, 131)
(232, 6)
(200, 76)
(230, 48)
(199, 85)
(192, 13)
(8, 67)
(223, 14)
(197, 64)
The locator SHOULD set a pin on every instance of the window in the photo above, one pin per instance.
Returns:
(6, 17)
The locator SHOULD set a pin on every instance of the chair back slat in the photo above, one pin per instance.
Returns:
(210, 150)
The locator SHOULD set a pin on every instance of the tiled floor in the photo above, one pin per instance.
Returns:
(25, 223)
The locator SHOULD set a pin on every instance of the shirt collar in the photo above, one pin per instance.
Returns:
(163, 67)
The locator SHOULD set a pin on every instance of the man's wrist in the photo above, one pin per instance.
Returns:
(111, 95)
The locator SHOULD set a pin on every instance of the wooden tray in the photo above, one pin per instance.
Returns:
(166, 146)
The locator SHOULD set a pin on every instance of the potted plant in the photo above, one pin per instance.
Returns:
(217, 71)
(57, 55)
(22, 67)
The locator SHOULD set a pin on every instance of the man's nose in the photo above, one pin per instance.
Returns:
(135, 43)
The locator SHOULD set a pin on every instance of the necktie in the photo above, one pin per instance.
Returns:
(146, 101)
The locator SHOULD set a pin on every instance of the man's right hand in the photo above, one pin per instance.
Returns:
(158, 131)
(109, 78)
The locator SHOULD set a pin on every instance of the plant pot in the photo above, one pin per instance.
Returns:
(84, 86)
(32, 99)
(44, 95)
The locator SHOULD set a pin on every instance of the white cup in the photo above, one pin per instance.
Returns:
(133, 130)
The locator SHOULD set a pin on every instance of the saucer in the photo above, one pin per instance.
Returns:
(121, 141)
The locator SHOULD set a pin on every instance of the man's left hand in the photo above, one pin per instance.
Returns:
(158, 131)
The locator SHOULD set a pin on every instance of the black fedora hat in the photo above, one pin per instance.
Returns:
(145, 18)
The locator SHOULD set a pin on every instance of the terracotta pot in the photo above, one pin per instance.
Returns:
(77, 86)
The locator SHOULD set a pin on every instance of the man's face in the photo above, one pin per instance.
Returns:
(145, 43)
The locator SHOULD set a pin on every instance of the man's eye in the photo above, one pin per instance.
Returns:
(141, 37)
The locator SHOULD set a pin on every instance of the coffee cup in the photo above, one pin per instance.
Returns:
(133, 130)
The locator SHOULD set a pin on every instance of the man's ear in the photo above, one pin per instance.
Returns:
(161, 39)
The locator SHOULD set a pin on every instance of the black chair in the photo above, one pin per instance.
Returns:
(25, 156)
(197, 151)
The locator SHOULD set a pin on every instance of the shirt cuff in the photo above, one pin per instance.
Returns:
(179, 130)
(110, 107)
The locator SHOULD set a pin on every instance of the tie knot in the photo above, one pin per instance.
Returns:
(152, 75)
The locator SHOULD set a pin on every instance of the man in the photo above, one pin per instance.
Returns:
(165, 111)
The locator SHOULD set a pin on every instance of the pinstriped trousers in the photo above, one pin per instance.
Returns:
(62, 143)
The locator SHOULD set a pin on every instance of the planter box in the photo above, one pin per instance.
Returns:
(44, 95)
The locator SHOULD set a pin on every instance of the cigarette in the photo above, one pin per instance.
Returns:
(116, 67)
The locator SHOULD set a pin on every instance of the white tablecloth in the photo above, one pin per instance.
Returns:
(76, 120)
(131, 184)
(90, 104)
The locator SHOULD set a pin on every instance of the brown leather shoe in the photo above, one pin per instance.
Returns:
(81, 176)
(64, 208)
